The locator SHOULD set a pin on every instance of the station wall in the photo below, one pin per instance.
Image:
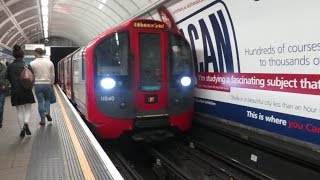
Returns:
(256, 62)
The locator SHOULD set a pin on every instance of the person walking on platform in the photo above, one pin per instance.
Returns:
(4, 84)
(21, 97)
(44, 78)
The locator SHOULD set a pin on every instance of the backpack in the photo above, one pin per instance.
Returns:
(27, 78)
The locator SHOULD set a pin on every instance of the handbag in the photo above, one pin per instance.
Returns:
(5, 86)
(52, 97)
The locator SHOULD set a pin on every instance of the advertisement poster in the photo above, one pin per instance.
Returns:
(256, 62)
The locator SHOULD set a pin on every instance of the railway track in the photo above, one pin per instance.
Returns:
(200, 162)
(177, 159)
(274, 159)
(231, 167)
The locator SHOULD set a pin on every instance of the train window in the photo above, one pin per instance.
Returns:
(180, 57)
(150, 61)
(76, 67)
(112, 54)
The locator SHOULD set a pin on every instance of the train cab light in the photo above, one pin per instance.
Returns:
(108, 83)
(185, 81)
(177, 101)
(123, 105)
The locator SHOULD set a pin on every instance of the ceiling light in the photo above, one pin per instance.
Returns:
(45, 18)
(44, 3)
(44, 11)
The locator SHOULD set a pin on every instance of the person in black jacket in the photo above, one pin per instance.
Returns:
(20, 97)
(4, 84)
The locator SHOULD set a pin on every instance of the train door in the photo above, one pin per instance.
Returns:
(79, 88)
(75, 75)
(61, 77)
(65, 78)
(69, 77)
(150, 72)
(58, 73)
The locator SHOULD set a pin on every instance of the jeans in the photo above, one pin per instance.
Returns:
(43, 96)
(2, 99)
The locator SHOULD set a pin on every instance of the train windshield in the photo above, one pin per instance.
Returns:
(180, 57)
(150, 62)
(112, 54)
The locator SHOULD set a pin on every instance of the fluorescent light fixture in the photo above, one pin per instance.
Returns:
(117, 39)
(102, 2)
(44, 11)
(44, 3)
(45, 21)
(45, 18)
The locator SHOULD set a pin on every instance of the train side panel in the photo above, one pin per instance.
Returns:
(79, 81)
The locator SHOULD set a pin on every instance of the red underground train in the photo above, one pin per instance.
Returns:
(135, 77)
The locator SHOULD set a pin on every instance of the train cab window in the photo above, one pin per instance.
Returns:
(150, 61)
(180, 57)
(111, 55)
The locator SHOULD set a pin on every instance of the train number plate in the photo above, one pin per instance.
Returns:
(151, 99)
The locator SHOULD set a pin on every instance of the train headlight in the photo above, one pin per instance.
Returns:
(185, 81)
(108, 83)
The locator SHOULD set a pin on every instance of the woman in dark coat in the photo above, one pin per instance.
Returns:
(20, 97)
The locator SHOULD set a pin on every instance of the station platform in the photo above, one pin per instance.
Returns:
(60, 150)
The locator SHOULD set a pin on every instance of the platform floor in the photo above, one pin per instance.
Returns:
(59, 150)
(15, 152)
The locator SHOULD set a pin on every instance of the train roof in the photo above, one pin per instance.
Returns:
(134, 23)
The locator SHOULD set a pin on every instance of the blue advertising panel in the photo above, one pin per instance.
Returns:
(254, 64)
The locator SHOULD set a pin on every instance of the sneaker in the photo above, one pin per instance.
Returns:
(22, 133)
(0, 125)
(26, 128)
(42, 122)
(49, 117)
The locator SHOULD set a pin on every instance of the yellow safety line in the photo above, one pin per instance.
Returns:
(86, 169)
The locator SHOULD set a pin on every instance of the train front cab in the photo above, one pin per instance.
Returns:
(136, 83)
(163, 94)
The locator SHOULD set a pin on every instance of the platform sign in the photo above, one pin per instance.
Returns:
(33, 46)
(5, 53)
(255, 64)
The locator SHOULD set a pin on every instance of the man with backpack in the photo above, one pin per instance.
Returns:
(43, 70)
